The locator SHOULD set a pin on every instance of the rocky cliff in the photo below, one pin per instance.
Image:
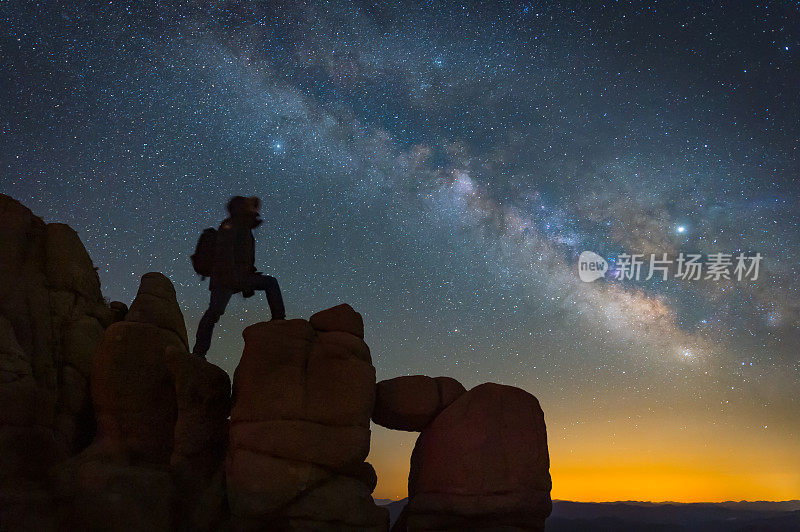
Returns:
(108, 423)
(161, 425)
(52, 317)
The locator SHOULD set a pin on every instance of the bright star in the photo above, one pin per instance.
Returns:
(681, 229)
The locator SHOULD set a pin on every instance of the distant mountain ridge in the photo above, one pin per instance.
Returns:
(706, 517)
(630, 516)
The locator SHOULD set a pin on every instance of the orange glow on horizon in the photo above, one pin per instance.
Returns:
(669, 483)
(693, 465)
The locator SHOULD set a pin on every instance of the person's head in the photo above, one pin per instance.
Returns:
(244, 208)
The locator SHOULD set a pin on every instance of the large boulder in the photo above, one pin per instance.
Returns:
(339, 318)
(412, 402)
(161, 423)
(133, 392)
(52, 317)
(303, 395)
(203, 400)
(481, 464)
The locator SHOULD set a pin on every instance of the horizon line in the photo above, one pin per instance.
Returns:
(620, 501)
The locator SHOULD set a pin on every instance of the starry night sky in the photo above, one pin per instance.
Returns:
(440, 167)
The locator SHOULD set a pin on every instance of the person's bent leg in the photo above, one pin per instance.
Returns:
(216, 308)
(273, 291)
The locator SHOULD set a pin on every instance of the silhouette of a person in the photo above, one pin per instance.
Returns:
(234, 269)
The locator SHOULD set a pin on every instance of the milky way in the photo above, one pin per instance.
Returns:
(440, 168)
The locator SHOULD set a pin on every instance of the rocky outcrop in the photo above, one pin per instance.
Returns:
(108, 423)
(341, 318)
(161, 423)
(481, 464)
(304, 392)
(133, 389)
(52, 316)
(412, 402)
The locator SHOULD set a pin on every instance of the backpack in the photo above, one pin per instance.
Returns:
(204, 252)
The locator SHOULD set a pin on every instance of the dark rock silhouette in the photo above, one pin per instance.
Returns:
(481, 460)
(161, 424)
(412, 402)
(481, 464)
(52, 316)
(132, 386)
(341, 318)
(107, 422)
(304, 392)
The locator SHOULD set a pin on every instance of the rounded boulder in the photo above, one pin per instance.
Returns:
(483, 460)
(412, 402)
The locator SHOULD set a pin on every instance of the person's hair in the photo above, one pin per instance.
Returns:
(237, 202)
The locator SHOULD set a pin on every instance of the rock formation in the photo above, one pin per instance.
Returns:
(481, 460)
(52, 316)
(108, 423)
(481, 464)
(412, 402)
(303, 395)
(161, 423)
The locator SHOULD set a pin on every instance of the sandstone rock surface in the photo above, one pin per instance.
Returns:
(482, 463)
(52, 317)
(161, 423)
(304, 392)
(339, 318)
(412, 402)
